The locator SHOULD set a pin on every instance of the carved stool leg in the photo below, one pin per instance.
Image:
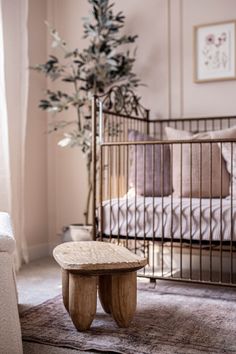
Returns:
(65, 288)
(104, 291)
(124, 298)
(82, 300)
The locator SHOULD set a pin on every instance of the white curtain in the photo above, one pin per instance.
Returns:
(13, 115)
(4, 141)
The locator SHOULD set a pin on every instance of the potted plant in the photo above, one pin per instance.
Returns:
(103, 64)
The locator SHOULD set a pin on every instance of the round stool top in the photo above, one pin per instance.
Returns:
(96, 256)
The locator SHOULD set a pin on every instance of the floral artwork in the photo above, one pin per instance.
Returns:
(215, 52)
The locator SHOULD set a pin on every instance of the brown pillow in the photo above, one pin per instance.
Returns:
(183, 187)
(155, 181)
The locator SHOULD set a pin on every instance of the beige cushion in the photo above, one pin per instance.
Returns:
(200, 183)
(228, 151)
(7, 240)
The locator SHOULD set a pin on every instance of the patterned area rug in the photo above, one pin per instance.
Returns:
(169, 319)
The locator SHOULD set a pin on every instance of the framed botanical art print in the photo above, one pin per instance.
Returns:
(214, 52)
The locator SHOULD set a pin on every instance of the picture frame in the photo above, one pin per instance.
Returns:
(215, 52)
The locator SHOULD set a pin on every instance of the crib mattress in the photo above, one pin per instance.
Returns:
(169, 217)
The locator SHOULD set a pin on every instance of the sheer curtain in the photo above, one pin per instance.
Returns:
(13, 115)
(4, 141)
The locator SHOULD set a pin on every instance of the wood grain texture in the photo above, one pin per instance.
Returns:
(65, 287)
(96, 256)
(82, 300)
(88, 263)
(104, 291)
(124, 298)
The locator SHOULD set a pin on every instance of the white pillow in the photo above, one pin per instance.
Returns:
(226, 153)
(229, 133)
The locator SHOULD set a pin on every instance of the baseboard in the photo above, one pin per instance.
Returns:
(38, 251)
(52, 245)
(42, 250)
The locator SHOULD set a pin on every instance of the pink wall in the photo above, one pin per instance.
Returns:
(206, 98)
(193, 99)
(36, 137)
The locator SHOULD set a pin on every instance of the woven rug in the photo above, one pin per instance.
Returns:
(169, 319)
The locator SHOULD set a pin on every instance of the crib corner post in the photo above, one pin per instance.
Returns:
(94, 165)
(147, 119)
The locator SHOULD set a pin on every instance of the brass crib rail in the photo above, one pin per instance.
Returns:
(203, 259)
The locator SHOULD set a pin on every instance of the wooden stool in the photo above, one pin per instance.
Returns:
(113, 268)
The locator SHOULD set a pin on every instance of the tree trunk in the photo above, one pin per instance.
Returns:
(90, 188)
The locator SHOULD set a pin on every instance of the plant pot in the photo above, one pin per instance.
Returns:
(80, 232)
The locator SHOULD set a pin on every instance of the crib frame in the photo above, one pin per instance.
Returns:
(210, 254)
